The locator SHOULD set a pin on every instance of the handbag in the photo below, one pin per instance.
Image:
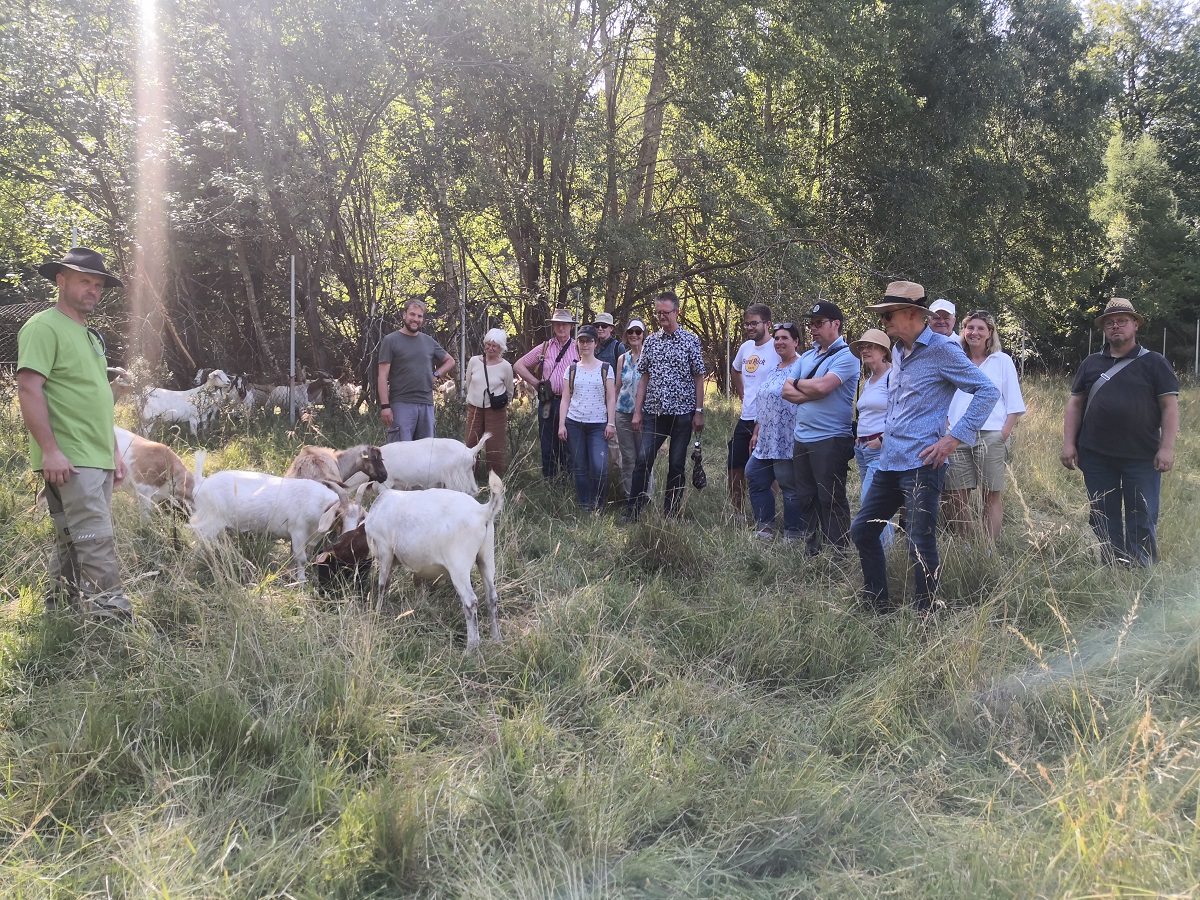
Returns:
(545, 392)
(495, 401)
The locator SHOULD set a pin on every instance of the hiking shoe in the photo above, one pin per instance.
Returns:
(114, 606)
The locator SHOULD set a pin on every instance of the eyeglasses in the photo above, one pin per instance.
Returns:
(1120, 322)
(752, 324)
(817, 323)
(93, 337)
(662, 314)
(634, 331)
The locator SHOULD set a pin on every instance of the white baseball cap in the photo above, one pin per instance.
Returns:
(941, 305)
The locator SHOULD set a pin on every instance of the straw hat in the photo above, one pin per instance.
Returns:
(561, 316)
(1118, 305)
(902, 295)
(603, 319)
(870, 336)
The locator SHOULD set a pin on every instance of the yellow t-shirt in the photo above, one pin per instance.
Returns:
(77, 392)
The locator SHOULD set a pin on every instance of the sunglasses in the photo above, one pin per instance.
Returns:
(981, 314)
(886, 315)
(634, 331)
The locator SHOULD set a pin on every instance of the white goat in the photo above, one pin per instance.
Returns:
(440, 533)
(156, 474)
(432, 463)
(324, 464)
(293, 508)
(193, 406)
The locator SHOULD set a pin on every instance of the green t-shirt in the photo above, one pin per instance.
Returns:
(77, 392)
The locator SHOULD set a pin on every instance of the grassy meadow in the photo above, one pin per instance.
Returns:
(676, 710)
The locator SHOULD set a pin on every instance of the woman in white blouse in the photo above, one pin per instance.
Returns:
(489, 389)
(875, 350)
(984, 464)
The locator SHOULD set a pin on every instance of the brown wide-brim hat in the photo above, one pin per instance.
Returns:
(561, 316)
(81, 259)
(901, 295)
(874, 337)
(1118, 305)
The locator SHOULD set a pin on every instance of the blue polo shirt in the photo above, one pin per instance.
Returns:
(829, 417)
(922, 384)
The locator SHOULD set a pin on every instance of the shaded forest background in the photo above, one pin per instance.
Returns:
(1031, 157)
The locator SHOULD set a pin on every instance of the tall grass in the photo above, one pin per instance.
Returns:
(677, 710)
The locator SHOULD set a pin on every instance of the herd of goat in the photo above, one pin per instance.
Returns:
(424, 515)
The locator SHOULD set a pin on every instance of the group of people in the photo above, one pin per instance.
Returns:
(920, 409)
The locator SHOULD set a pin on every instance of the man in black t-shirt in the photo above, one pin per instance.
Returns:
(1119, 430)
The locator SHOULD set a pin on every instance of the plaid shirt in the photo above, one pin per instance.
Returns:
(671, 363)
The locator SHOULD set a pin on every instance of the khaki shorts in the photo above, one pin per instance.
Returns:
(985, 462)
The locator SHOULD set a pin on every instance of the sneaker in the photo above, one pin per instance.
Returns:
(764, 534)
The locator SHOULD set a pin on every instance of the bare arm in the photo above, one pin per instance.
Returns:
(1164, 460)
(610, 403)
(562, 409)
(1071, 422)
(385, 409)
(636, 421)
(447, 364)
(698, 415)
(739, 387)
(56, 468)
(800, 390)
(523, 372)
(618, 369)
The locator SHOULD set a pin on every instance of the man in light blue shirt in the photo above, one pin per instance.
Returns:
(927, 368)
(824, 442)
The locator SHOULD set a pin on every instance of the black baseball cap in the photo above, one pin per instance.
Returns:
(823, 309)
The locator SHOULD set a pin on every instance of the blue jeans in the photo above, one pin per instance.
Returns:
(556, 456)
(655, 431)
(759, 475)
(919, 491)
(1132, 484)
(868, 461)
(589, 456)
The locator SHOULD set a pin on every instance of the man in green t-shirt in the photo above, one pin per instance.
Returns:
(67, 405)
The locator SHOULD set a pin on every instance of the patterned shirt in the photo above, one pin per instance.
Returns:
(589, 402)
(923, 382)
(553, 368)
(629, 382)
(776, 416)
(671, 363)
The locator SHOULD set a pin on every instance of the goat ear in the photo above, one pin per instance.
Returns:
(329, 517)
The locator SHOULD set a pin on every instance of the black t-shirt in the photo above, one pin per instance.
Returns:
(1125, 419)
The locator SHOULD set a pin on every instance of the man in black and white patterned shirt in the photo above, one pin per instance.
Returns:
(669, 404)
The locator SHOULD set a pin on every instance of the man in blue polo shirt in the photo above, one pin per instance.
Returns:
(927, 368)
(824, 441)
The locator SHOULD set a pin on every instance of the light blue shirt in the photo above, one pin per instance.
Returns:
(923, 382)
(829, 417)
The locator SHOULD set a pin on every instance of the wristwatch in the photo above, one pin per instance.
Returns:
(699, 409)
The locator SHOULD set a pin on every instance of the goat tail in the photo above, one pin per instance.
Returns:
(478, 448)
(198, 467)
(496, 503)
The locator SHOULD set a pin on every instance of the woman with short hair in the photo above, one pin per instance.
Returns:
(984, 464)
(489, 389)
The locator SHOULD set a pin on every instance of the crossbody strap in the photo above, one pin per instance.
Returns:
(1108, 376)
(823, 358)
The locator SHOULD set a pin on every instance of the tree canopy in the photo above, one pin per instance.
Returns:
(1020, 156)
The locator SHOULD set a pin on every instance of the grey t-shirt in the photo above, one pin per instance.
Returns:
(413, 359)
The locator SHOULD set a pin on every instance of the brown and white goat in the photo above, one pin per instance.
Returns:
(156, 473)
(325, 464)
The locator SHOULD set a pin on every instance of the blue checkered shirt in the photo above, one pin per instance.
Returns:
(922, 384)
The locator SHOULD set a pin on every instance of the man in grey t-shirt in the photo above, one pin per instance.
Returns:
(409, 360)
